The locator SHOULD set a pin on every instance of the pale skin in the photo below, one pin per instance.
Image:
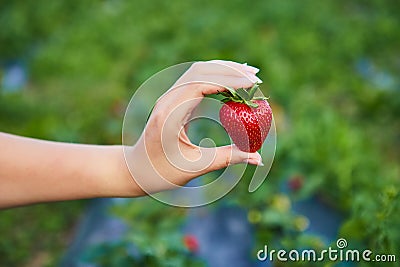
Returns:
(36, 171)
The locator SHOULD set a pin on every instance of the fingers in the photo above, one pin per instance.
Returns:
(218, 72)
(236, 65)
(213, 84)
(228, 155)
(202, 78)
(244, 81)
(188, 94)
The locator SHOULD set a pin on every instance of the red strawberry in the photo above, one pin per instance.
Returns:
(296, 182)
(191, 243)
(246, 118)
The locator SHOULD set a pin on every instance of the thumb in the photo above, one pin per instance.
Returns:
(231, 154)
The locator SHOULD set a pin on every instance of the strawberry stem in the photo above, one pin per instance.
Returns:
(241, 95)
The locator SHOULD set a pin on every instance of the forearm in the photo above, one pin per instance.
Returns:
(33, 171)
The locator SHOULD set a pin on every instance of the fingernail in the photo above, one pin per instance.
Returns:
(253, 162)
(252, 69)
(255, 79)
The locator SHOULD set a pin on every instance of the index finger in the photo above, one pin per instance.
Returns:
(204, 78)
(213, 71)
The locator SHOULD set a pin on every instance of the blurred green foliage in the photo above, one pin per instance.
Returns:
(37, 235)
(337, 126)
(154, 239)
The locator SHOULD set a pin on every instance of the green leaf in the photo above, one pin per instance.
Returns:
(226, 94)
(251, 104)
(253, 90)
(237, 100)
(231, 90)
(243, 94)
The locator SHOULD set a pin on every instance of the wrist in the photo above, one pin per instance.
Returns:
(118, 181)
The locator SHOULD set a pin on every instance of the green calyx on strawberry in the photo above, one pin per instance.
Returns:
(246, 118)
(242, 95)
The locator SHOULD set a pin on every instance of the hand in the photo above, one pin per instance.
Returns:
(164, 157)
(33, 170)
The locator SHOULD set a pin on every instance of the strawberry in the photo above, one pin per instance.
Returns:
(296, 182)
(247, 119)
(191, 243)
